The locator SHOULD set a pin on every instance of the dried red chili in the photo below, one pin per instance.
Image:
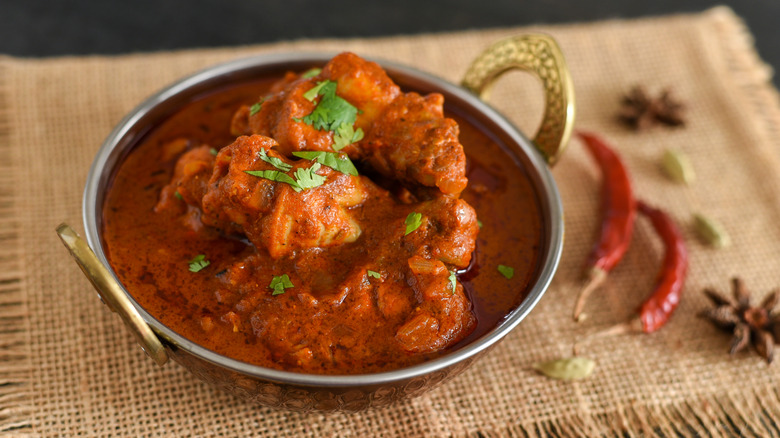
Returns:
(660, 305)
(657, 309)
(618, 212)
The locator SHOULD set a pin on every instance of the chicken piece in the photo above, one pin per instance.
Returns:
(311, 218)
(448, 231)
(280, 117)
(309, 329)
(443, 316)
(234, 199)
(406, 136)
(190, 179)
(239, 124)
(361, 83)
(412, 141)
(270, 213)
(180, 199)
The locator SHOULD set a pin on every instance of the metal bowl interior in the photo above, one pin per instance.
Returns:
(161, 105)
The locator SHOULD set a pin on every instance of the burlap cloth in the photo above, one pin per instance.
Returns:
(70, 368)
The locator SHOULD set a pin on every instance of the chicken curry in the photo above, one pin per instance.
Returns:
(323, 222)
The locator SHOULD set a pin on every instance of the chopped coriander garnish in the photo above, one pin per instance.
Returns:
(315, 90)
(506, 271)
(309, 178)
(311, 73)
(333, 113)
(275, 175)
(273, 161)
(279, 283)
(336, 161)
(453, 280)
(413, 222)
(479, 223)
(345, 135)
(178, 195)
(213, 151)
(198, 263)
(304, 178)
(373, 274)
(254, 109)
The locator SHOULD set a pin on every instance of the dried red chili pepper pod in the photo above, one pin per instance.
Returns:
(618, 212)
(657, 309)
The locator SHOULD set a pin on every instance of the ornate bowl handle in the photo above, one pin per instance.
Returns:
(111, 293)
(541, 56)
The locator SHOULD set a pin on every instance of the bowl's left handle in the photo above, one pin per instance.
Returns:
(539, 55)
(111, 293)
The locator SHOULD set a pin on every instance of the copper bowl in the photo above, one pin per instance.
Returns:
(538, 54)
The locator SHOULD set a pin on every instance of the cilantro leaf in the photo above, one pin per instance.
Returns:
(333, 113)
(177, 195)
(373, 274)
(213, 151)
(304, 178)
(198, 263)
(452, 280)
(338, 111)
(311, 73)
(279, 283)
(506, 271)
(413, 222)
(308, 178)
(334, 160)
(479, 223)
(274, 161)
(254, 109)
(315, 90)
(345, 135)
(275, 175)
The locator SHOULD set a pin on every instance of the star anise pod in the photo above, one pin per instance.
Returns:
(749, 324)
(640, 110)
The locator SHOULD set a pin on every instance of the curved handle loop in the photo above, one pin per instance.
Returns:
(541, 56)
(111, 293)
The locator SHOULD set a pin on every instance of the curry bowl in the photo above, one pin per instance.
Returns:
(301, 391)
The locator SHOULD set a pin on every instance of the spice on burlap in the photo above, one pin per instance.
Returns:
(568, 368)
(749, 323)
(70, 368)
(640, 110)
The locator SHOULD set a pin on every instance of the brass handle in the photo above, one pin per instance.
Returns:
(111, 293)
(541, 56)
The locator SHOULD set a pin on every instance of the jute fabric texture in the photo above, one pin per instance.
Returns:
(70, 368)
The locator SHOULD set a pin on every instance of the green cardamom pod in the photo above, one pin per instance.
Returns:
(572, 368)
(678, 167)
(710, 231)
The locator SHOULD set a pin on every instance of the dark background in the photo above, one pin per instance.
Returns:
(34, 28)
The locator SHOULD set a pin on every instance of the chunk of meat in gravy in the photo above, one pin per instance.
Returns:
(448, 231)
(190, 180)
(412, 141)
(271, 214)
(307, 329)
(443, 314)
(407, 136)
(280, 117)
(362, 83)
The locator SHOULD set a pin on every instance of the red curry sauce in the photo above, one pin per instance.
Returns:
(228, 307)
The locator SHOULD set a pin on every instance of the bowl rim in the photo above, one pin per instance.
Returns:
(546, 190)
